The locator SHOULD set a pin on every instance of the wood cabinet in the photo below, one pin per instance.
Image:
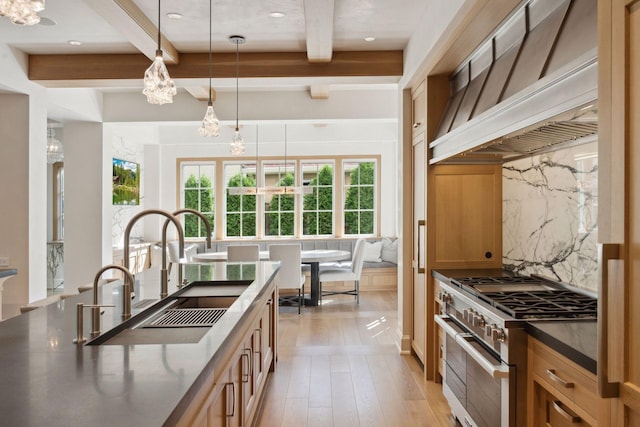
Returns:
(231, 394)
(418, 109)
(560, 393)
(465, 216)
(619, 208)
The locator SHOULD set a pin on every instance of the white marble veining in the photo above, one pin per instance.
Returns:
(550, 210)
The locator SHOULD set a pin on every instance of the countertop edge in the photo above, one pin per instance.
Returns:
(561, 347)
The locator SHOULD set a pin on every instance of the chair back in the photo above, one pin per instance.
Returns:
(239, 253)
(290, 260)
(358, 258)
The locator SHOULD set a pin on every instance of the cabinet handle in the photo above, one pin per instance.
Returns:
(573, 419)
(259, 331)
(416, 125)
(248, 375)
(233, 404)
(606, 252)
(552, 374)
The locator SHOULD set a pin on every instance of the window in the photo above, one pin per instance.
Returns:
(279, 209)
(58, 201)
(240, 207)
(359, 197)
(198, 192)
(330, 197)
(317, 206)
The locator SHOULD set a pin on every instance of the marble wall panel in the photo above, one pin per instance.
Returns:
(550, 209)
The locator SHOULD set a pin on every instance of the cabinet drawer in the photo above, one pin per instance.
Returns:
(565, 378)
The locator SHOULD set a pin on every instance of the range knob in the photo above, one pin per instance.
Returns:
(498, 334)
(467, 314)
(446, 298)
(488, 329)
(478, 320)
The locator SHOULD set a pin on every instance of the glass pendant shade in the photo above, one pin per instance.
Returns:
(158, 85)
(210, 123)
(22, 12)
(55, 151)
(237, 144)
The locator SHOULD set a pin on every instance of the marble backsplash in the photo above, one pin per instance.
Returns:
(550, 215)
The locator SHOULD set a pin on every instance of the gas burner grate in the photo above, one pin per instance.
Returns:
(543, 304)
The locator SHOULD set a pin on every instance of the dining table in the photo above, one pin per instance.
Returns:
(313, 257)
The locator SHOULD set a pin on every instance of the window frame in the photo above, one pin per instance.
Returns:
(375, 188)
(338, 190)
(183, 179)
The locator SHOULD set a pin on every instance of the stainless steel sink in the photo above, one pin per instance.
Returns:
(184, 317)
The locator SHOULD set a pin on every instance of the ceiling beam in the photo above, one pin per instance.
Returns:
(318, 18)
(75, 70)
(201, 93)
(319, 91)
(128, 19)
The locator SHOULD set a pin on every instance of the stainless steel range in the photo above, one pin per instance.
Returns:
(485, 345)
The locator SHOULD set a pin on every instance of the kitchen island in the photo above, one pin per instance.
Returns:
(48, 380)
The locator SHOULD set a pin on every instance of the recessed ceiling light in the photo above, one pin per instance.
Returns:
(369, 39)
(75, 42)
(276, 14)
(174, 15)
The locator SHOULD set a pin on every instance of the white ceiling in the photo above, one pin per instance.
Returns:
(391, 23)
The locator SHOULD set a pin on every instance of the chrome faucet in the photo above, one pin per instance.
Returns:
(207, 225)
(164, 282)
(127, 287)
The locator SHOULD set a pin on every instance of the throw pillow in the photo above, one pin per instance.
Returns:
(389, 251)
(372, 251)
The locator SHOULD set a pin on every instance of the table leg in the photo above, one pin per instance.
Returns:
(315, 285)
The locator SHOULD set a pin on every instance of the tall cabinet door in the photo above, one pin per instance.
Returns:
(419, 336)
(619, 210)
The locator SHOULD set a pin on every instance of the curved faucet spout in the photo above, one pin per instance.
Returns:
(204, 219)
(207, 225)
(127, 287)
(164, 285)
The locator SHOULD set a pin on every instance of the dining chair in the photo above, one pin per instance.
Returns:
(290, 275)
(173, 253)
(240, 253)
(346, 274)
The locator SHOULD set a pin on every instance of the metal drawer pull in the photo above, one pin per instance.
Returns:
(573, 419)
(552, 374)
(495, 371)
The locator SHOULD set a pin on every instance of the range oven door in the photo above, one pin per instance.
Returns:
(475, 382)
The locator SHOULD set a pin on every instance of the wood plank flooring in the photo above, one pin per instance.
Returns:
(338, 365)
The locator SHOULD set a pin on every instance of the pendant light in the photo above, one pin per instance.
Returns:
(210, 123)
(55, 151)
(158, 85)
(237, 143)
(22, 12)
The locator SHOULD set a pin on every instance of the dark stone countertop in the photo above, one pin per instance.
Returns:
(47, 380)
(574, 339)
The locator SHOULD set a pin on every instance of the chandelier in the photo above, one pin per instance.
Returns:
(22, 12)
(210, 123)
(55, 151)
(237, 143)
(158, 86)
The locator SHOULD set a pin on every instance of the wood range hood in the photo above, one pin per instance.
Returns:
(530, 87)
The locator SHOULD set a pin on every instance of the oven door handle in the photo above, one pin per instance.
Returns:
(496, 371)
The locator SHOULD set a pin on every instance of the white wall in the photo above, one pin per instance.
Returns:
(365, 137)
(87, 204)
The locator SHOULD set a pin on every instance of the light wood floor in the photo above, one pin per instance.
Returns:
(338, 365)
